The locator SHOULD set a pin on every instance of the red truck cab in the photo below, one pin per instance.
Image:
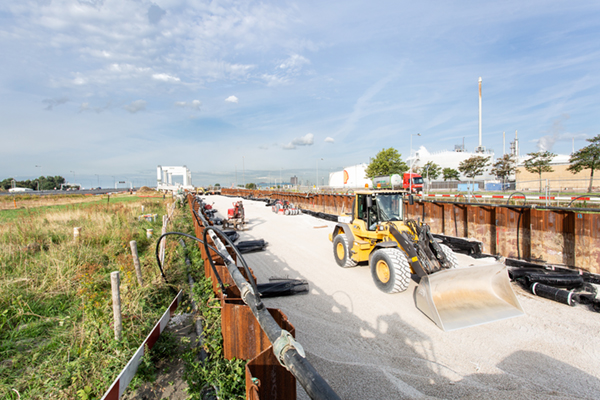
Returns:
(417, 182)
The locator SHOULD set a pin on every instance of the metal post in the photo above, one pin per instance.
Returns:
(116, 300)
(136, 261)
(412, 161)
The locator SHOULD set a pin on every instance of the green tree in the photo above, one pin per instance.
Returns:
(504, 167)
(451, 174)
(538, 163)
(250, 186)
(431, 170)
(587, 158)
(386, 162)
(473, 166)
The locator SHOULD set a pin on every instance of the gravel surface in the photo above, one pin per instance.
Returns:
(372, 345)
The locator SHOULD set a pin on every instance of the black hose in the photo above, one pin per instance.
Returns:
(512, 194)
(251, 280)
(577, 198)
(191, 237)
(239, 255)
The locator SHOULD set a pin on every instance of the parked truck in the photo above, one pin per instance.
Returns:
(397, 182)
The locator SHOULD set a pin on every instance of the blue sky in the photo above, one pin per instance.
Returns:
(94, 89)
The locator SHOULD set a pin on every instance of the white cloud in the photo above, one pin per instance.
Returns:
(294, 62)
(306, 140)
(274, 80)
(194, 104)
(165, 78)
(135, 106)
(232, 99)
(329, 139)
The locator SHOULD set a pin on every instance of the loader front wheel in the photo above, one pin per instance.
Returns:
(450, 256)
(341, 252)
(390, 270)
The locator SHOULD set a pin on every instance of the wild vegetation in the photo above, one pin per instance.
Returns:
(56, 333)
(56, 330)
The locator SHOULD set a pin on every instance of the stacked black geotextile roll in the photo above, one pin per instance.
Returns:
(232, 235)
(563, 286)
(282, 287)
(248, 246)
(566, 281)
(562, 296)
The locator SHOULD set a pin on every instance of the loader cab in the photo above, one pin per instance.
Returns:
(374, 208)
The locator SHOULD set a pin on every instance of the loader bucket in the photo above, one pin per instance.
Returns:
(462, 297)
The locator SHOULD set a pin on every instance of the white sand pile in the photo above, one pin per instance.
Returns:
(372, 345)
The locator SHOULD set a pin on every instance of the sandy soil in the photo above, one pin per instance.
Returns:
(371, 345)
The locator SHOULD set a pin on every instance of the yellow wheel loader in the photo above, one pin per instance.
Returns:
(396, 249)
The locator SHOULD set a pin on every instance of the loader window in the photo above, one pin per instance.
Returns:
(369, 215)
(389, 206)
(362, 207)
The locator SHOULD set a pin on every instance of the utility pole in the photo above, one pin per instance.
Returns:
(40, 167)
(412, 161)
(318, 174)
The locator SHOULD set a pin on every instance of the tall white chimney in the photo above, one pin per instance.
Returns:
(480, 148)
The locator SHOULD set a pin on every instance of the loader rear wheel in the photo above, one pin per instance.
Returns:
(341, 252)
(390, 270)
(450, 256)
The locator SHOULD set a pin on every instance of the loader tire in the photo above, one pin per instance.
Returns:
(450, 256)
(390, 270)
(341, 252)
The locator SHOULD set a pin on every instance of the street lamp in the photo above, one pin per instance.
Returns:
(98, 177)
(412, 161)
(114, 181)
(40, 167)
(244, 170)
(318, 173)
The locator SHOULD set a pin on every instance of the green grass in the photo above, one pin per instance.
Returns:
(12, 214)
(56, 335)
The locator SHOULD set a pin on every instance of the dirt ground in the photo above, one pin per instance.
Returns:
(372, 345)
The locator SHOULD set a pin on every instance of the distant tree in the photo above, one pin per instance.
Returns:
(451, 174)
(217, 185)
(45, 183)
(250, 186)
(587, 158)
(473, 166)
(538, 163)
(386, 162)
(504, 167)
(431, 170)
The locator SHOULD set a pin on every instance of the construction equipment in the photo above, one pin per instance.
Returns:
(453, 297)
(235, 217)
(285, 207)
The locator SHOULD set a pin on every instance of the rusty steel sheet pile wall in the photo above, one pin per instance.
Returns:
(243, 337)
(564, 237)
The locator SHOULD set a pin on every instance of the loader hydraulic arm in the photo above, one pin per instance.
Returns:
(409, 249)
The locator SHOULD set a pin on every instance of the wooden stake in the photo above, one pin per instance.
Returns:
(136, 261)
(116, 300)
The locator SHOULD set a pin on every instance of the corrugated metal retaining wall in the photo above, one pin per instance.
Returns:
(243, 338)
(564, 237)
